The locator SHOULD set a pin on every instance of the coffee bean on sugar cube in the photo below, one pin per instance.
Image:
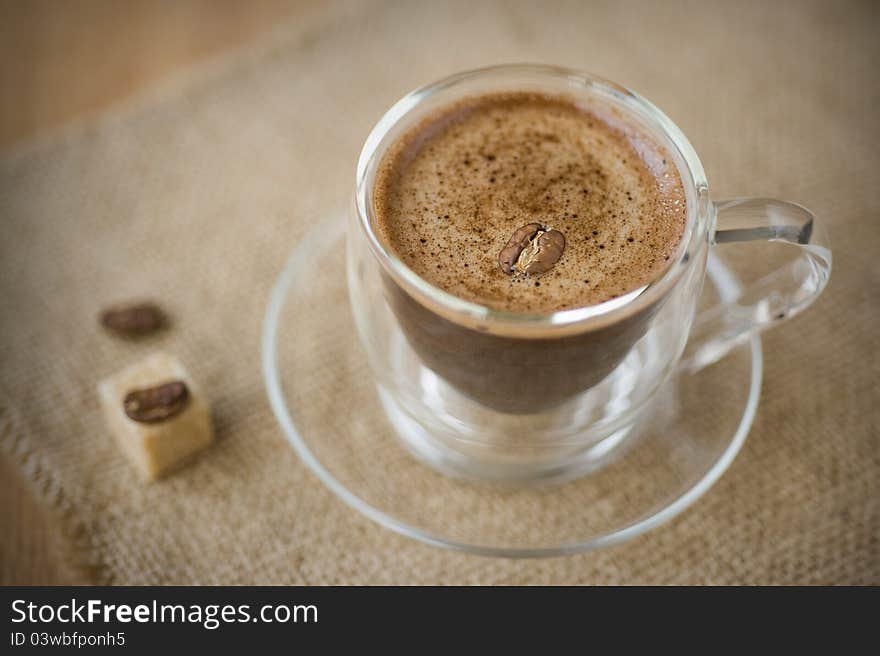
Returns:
(157, 414)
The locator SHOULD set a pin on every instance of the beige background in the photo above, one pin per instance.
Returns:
(54, 69)
(221, 173)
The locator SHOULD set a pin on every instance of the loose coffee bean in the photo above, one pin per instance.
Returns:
(532, 250)
(133, 320)
(155, 404)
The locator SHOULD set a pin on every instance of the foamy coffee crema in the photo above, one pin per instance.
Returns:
(453, 190)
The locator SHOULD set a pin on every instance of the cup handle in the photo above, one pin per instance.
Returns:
(795, 281)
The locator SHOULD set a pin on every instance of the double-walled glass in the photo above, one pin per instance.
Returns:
(511, 397)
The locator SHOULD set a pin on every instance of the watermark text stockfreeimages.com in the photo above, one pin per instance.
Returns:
(209, 616)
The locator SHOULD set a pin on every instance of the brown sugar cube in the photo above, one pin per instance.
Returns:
(156, 413)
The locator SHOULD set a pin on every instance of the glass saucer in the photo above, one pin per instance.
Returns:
(323, 395)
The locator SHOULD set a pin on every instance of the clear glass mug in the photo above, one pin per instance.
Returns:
(504, 397)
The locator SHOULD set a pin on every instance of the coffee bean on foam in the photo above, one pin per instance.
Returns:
(454, 189)
(532, 250)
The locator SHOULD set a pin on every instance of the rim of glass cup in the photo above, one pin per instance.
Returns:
(689, 165)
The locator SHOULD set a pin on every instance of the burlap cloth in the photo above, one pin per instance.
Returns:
(196, 195)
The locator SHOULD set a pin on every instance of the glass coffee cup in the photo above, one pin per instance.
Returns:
(506, 397)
